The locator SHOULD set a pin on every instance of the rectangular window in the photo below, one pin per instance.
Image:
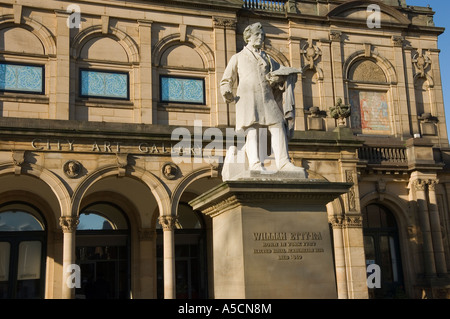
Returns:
(21, 78)
(182, 90)
(104, 84)
(370, 112)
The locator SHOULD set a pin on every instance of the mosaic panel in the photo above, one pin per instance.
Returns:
(183, 90)
(22, 78)
(104, 84)
(370, 112)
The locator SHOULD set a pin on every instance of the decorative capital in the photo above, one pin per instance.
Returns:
(346, 221)
(68, 223)
(167, 222)
(224, 23)
(335, 36)
(419, 184)
(432, 184)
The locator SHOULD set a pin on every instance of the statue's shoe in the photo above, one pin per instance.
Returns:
(289, 167)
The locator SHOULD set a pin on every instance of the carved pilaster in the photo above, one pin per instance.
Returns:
(168, 222)
(68, 223)
(351, 193)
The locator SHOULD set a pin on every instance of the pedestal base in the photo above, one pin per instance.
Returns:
(271, 238)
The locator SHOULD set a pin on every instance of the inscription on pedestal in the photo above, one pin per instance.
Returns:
(287, 245)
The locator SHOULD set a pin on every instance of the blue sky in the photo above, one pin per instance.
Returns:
(441, 19)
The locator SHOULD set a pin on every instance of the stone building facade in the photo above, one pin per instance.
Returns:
(95, 96)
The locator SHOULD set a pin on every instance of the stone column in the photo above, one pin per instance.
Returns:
(69, 225)
(436, 233)
(424, 220)
(168, 224)
(339, 256)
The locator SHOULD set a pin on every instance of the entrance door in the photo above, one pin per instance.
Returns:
(102, 253)
(382, 247)
(22, 253)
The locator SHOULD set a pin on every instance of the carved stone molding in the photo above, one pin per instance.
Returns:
(122, 163)
(68, 223)
(346, 221)
(18, 158)
(351, 193)
(167, 222)
(72, 169)
(432, 184)
(335, 36)
(170, 170)
(340, 112)
(419, 184)
(421, 61)
(224, 23)
(397, 40)
(311, 53)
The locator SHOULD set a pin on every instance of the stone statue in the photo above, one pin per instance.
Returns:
(264, 99)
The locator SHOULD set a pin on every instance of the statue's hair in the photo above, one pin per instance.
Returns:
(252, 28)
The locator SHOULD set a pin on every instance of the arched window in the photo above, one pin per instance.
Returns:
(102, 252)
(368, 90)
(22, 252)
(381, 246)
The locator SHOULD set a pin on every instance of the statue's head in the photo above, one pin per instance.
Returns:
(254, 35)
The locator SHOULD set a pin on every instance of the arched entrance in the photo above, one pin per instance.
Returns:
(381, 246)
(103, 252)
(22, 252)
(190, 255)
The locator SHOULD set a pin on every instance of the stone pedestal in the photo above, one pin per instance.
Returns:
(271, 238)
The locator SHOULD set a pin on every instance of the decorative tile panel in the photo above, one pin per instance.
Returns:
(182, 90)
(104, 84)
(370, 112)
(21, 78)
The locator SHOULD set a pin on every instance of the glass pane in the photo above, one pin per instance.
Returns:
(29, 260)
(184, 90)
(19, 221)
(102, 216)
(94, 222)
(104, 84)
(386, 260)
(393, 258)
(369, 248)
(4, 261)
(23, 78)
(187, 218)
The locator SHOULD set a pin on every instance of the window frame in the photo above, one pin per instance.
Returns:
(83, 96)
(174, 76)
(37, 65)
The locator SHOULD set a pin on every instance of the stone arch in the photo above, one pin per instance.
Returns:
(350, 7)
(175, 39)
(33, 26)
(151, 181)
(382, 62)
(49, 178)
(276, 55)
(90, 33)
(184, 183)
